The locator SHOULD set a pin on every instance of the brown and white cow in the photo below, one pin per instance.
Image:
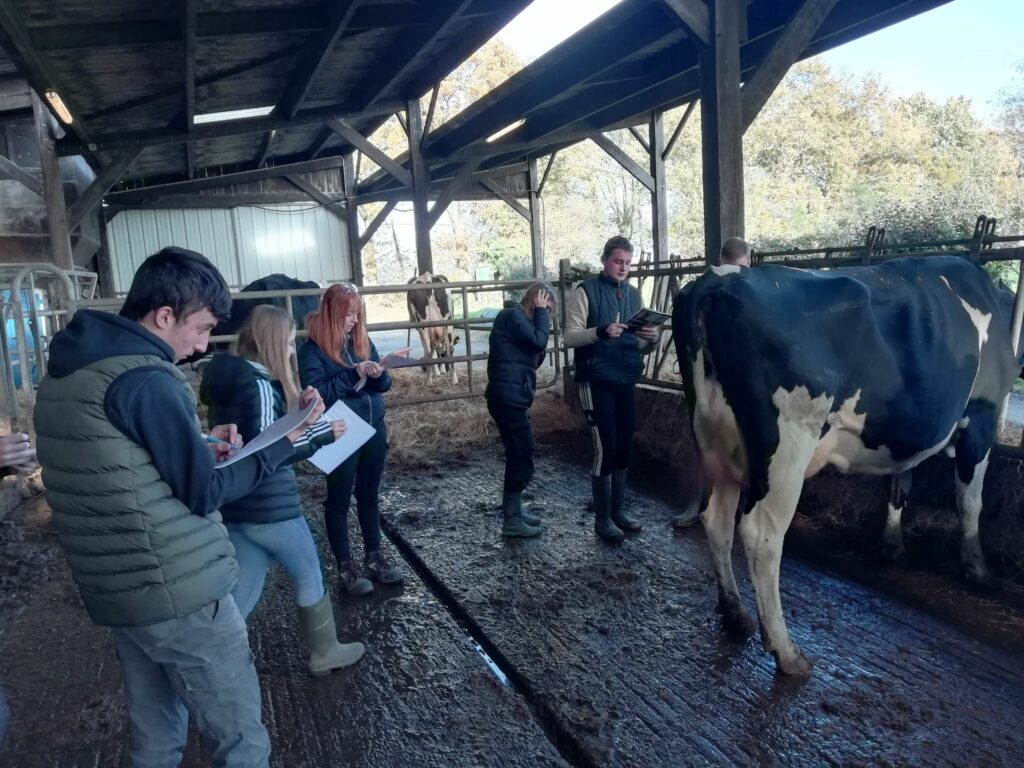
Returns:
(432, 304)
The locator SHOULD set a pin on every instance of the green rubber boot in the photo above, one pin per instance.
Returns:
(514, 525)
(603, 525)
(316, 623)
(619, 517)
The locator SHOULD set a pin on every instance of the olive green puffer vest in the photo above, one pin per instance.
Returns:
(137, 553)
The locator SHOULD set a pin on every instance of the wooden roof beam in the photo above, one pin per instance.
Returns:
(227, 179)
(314, 57)
(694, 16)
(9, 170)
(264, 152)
(172, 135)
(783, 55)
(407, 53)
(619, 155)
(451, 189)
(373, 226)
(188, 68)
(329, 203)
(102, 184)
(36, 68)
(356, 139)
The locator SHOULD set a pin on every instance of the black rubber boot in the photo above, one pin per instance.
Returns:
(619, 517)
(603, 525)
(514, 525)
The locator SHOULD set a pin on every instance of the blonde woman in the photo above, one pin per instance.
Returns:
(252, 387)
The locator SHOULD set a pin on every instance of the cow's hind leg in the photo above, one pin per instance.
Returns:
(719, 519)
(972, 453)
(763, 529)
(892, 537)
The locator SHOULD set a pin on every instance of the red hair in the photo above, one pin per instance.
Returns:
(326, 326)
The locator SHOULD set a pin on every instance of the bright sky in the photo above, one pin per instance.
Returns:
(965, 48)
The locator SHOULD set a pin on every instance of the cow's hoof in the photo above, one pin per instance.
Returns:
(795, 666)
(979, 577)
(894, 553)
(737, 623)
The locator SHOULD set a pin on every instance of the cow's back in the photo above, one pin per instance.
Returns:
(894, 342)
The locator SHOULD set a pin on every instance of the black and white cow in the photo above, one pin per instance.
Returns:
(868, 369)
(240, 308)
(430, 304)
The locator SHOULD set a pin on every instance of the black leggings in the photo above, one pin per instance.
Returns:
(363, 471)
(517, 437)
(611, 413)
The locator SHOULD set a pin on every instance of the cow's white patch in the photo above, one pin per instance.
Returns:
(726, 269)
(981, 321)
(951, 451)
(828, 451)
(714, 422)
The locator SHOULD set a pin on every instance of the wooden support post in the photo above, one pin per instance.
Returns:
(104, 262)
(53, 188)
(536, 241)
(722, 127)
(420, 188)
(93, 194)
(355, 244)
(659, 195)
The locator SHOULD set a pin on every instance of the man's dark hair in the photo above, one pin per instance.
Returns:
(617, 243)
(734, 249)
(183, 280)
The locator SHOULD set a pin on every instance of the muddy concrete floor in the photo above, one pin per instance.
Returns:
(619, 648)
(605, 656)
(422, 695)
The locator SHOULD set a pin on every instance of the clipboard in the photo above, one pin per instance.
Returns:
(330, 457)
(287, 423)
(397, 359)
(647, 317)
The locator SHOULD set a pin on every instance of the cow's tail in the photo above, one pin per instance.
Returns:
(688, 334)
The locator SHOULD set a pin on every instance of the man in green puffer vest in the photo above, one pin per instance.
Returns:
(134, 492)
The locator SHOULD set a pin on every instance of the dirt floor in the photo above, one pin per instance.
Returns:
(605, 656)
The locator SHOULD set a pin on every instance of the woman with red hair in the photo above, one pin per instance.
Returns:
(336, 358)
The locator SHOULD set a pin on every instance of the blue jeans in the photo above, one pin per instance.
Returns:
(198, 665)
(289, 543)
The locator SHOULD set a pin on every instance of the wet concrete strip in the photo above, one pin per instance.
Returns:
(421, 696)
(622, 648)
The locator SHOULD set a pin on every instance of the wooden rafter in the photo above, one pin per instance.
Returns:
(409, 52)
(175, 135)
(368, 148)
(373, 226)
(627, 162)
(9, 170)
(491, 186)
(188, 68)
(452, 188)
(329, 203)
(102, 184)
(264, 151)
(787, 49)
(314, 57)
(694, 16)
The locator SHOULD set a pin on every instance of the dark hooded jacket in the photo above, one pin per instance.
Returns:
(237, 391)
(338, 382)
(516, 348)
(130, 479)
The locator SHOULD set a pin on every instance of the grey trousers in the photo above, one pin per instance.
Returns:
(198, 665)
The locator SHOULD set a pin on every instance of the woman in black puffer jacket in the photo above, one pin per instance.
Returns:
(341, 362)
(518, 339)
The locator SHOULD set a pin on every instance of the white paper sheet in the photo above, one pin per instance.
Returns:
(330, 457)
(287, 423)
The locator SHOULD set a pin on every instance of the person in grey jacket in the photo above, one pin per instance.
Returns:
(517, 342)
(608, 360)
(134, 490)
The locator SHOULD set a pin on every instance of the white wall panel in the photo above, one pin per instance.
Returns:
(245, 243)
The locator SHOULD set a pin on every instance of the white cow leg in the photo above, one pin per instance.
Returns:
(763, 530)
(719, 519)
(427, 352)
(892, 537)
(968, 502)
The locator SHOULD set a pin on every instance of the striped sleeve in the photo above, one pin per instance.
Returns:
(319, 428)
(266, 395)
